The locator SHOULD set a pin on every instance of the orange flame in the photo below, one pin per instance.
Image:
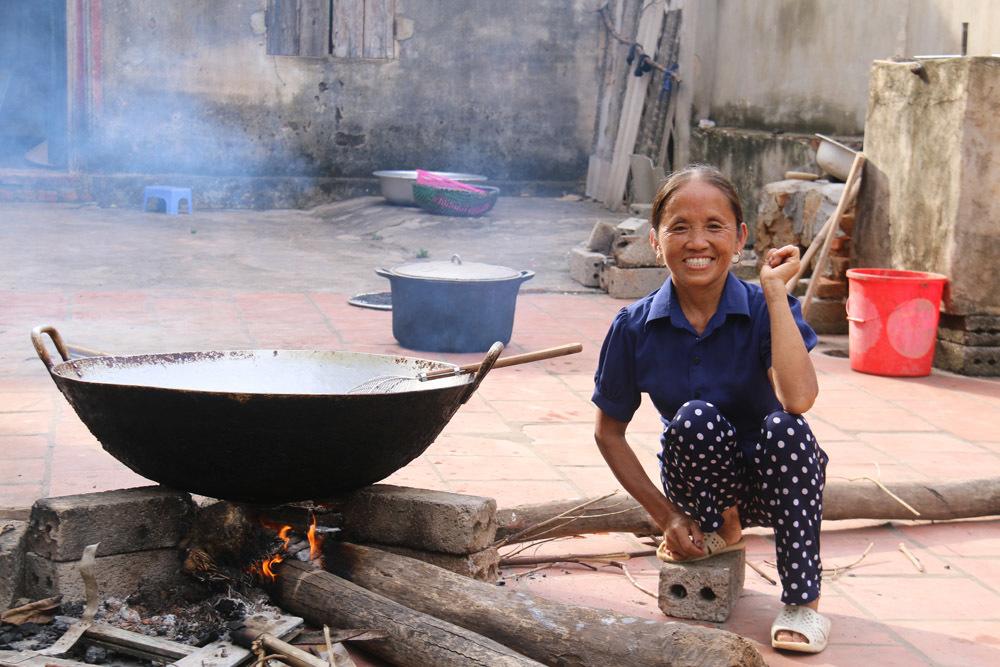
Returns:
(267, 567)
(315, 541)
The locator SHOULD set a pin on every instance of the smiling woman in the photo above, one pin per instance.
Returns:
(726, 363)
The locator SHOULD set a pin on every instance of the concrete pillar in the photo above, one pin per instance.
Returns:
(930, 199)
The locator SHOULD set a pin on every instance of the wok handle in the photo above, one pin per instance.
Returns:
(513, 360)
(385, 273)
(482, 369)
(39, 343)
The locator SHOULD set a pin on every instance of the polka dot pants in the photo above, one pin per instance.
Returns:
(777, 481)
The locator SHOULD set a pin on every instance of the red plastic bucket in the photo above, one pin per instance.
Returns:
(892, 320)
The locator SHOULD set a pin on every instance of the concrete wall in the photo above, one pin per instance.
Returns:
(504, 89)
(768, 70)
(930, 199)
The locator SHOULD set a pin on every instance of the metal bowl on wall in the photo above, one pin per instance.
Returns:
(397, 185)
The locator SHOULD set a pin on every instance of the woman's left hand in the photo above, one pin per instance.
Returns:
(780, 265)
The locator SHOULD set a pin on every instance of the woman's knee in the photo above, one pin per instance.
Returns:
(698, 422)
(788, 442)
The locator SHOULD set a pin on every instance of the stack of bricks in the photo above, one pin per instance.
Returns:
(619, 259)
(138, 531)
(793, 212)
(450, 530)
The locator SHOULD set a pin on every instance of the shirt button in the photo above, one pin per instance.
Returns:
(696, 361)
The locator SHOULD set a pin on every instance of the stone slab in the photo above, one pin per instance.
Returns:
(422, 519)
(969, 338)
(482, 565)
(633, 251)
(632, 283)
(12, 549)
(979, 360)
(123, 521)
(585, 266)
(703, 590)
(601, 237)
(119, 575)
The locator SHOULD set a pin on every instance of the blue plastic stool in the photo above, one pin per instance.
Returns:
(171, 196)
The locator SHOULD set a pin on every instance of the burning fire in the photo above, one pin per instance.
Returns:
(266, 567)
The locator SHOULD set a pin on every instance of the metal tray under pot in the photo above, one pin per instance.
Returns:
(453, 306)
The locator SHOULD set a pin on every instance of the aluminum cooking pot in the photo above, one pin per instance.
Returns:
(453, 306)
(261, 426)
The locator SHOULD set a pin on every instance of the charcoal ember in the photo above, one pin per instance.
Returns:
(231, 609)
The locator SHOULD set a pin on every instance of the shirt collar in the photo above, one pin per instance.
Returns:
(664, 306)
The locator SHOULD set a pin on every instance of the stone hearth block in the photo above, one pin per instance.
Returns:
(704, 590)
(792, 212)
(632, 283)
(123, 521)
(982, 360)
(585, 267)
(421, 519)
(12, 548)
(483, 565)
(633, 251)
(601, 238)
(119, 575)
(828, 316)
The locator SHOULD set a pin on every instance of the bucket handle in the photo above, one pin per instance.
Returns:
(491, 358)
(39, 343)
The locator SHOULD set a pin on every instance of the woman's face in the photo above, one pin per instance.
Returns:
(698, 235)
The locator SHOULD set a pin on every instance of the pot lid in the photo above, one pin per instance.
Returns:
(456, 269)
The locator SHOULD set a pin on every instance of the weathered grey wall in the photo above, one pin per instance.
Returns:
(769, 73)
(506, 89)
(930, 199)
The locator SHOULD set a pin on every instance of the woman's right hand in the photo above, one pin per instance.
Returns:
(683, 537)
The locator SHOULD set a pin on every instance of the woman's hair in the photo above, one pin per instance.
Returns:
(692, 172)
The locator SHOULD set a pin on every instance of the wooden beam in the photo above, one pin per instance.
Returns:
(842, 500)
(413, 639)
(648, 36)
(548, 631)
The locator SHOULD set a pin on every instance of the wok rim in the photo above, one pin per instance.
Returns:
(57, 374)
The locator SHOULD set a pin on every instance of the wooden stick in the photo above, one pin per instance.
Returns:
(761, 573)
(535, 560)
(513, 360)
(856, 168)
(913, 559)
(817, 241)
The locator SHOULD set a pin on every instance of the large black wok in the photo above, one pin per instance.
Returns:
(259, 426)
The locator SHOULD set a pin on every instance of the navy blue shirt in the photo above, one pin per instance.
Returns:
(653, 349)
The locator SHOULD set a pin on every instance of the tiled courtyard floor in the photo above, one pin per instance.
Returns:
(526, 436)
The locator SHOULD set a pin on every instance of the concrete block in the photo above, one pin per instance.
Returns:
(828, 316)
(119, 575)
(633, 252)
(975, 330)
(12, 550)
(703, 590)
(601, 237)
(632, 283)
(123, 521)
(585, 267)
(482, 565)
(641, 210)
(980, 360)
(633, 227)
(420, 519)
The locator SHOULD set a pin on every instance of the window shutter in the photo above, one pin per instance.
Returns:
(348, 28)
(378, 40)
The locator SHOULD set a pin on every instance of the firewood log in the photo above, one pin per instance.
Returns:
(412, 638)
(842, 500)
(550, 632)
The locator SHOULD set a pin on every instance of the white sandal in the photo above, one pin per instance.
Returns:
(714, 545)
(807, 622)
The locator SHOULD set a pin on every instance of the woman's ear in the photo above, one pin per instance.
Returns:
(653, 241)
(743, 235)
